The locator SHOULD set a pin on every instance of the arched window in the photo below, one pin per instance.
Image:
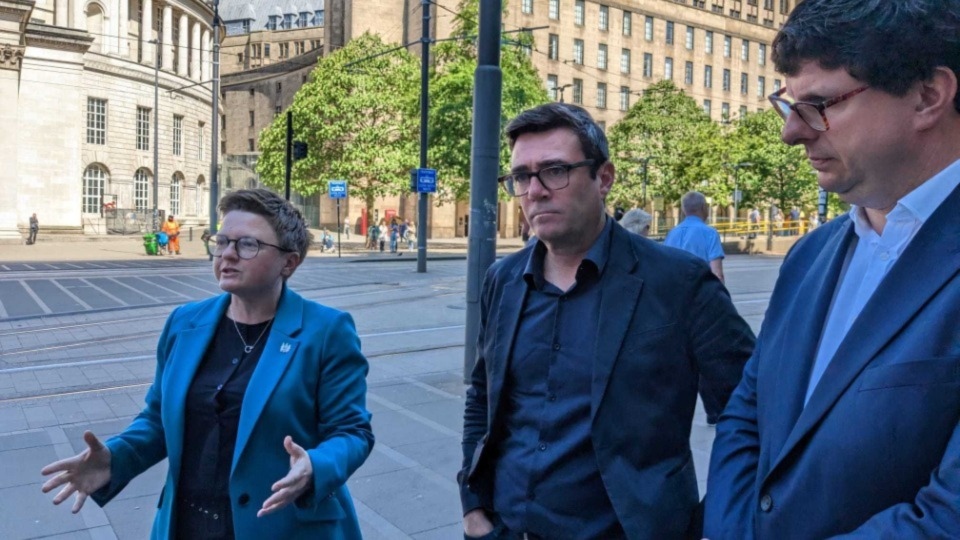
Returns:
(95, 27)
(94, 180)
(175, 184)
(141, 190)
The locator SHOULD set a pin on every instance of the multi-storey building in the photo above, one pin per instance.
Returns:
(79, 122)
(601, 55)
(598, 54)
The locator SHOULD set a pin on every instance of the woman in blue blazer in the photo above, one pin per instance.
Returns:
(258, 400)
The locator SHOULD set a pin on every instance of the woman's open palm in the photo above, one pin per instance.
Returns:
(83, 474)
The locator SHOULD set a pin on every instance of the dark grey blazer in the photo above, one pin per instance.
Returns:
(665, 320)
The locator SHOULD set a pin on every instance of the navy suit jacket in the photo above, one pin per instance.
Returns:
(309, 384)
(665, 320)
(876, 451)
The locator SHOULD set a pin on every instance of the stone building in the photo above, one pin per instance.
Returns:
(79, 123)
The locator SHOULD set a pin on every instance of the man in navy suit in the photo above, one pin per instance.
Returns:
(846, 421)
(592, 341)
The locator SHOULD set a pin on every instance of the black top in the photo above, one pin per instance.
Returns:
(547, 479)
(210, 430)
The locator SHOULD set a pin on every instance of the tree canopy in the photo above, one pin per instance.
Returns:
(358, 115)
(451, 98)
(777, 173)
(682, 143)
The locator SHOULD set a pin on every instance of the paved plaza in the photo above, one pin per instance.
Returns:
(77, 340)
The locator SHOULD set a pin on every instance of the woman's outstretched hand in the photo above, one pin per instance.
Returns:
(83, 474)
(295, 483)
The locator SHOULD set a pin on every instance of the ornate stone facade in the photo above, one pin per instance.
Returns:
(79, 114)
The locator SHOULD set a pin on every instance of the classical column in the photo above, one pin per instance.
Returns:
(205, 55)
(61, 15)
(195, 51)
(182, 45)
(146, 34)
(167, 50)
(79, 16)
(11, 57)
(124, 27)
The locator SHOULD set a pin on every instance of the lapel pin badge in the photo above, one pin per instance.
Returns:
(285, 347)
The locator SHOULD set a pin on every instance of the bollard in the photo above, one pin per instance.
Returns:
(190, 238)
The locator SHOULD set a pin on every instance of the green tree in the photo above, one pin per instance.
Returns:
(779, 174)
(358, 116)
(685, 144)
(451, 98)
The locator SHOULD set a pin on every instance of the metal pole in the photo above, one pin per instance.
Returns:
(422, 205)
(339, 228)
(822, 206)
(156, 137)
(736, 188)
(484, 167)
(288, 163)
(645, 183)
(215, 127)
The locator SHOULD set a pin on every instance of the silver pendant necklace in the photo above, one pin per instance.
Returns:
(248, 348)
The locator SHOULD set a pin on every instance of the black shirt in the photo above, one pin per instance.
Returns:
(210, 430)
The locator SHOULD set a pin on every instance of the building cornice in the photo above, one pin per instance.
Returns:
(144, 74)
(57, 37)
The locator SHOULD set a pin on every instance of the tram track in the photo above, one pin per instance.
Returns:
(144, 382)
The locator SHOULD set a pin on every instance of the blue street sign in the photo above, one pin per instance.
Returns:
(426, 180)
(337, 189)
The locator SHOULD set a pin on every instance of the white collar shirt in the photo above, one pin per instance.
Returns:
(871, 256)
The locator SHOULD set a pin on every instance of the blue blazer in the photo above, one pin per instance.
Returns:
(665, 322)
(309, 384)
(876, 451)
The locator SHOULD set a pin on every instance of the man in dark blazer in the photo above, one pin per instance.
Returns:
(846, 421)
(592, 342)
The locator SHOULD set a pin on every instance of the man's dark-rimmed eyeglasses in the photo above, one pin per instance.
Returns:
(247, 247)
(552, 177)
(814, 114)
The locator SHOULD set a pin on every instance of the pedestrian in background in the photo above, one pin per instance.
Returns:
(258, 401)
(637, 221)
(845, 424)
(394, 236)
(578, 415)
(382, 234)
(34, 228)
(373, 233)
(411, 236)
(346, 226)
(172, 229)
(693, 235)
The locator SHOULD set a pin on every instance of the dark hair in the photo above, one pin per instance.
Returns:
(551, 116)
(889, 44)
(285, 219)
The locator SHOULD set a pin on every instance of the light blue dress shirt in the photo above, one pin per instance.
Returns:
(871, 256)
(695, 236)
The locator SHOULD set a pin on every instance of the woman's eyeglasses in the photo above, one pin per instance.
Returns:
(247, 247)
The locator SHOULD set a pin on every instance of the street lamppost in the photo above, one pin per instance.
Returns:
(561, 89)
(645, 160)
(736, 185)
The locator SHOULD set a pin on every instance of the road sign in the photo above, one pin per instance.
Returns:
(337, 189)
(737, 195)
(426, 180)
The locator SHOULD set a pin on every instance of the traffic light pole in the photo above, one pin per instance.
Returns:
(288, 163)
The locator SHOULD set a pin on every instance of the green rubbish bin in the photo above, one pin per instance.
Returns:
(150, 243)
